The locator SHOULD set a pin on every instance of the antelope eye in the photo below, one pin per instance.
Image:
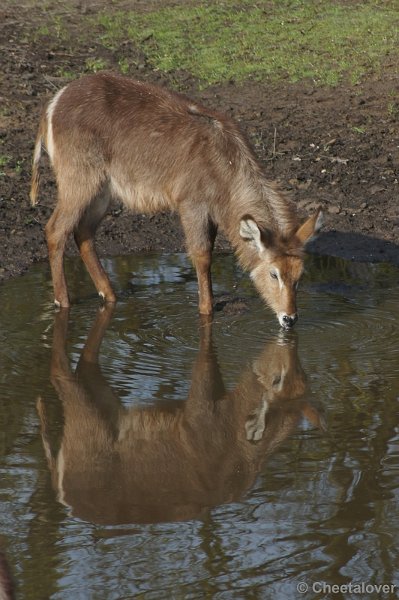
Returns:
(277, 380)
(273, 275)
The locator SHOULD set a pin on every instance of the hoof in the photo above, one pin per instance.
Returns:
(110, 299)
(58, 305)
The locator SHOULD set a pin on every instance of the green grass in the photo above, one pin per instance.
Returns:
(123, 65)
(4, 160)
(55, 26)
(95, 64)
(65, 73)
(292, 39)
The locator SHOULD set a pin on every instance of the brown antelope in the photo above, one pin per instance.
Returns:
(111, 137)
(172, 461)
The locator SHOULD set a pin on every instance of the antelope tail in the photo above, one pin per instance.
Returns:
(35, 166)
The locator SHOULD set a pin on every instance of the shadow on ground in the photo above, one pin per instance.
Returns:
(355, 246)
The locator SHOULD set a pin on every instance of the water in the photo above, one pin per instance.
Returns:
(232, 462)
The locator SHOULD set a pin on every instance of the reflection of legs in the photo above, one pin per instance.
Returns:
(206, 382)
(200, 237)
(84, 237)
(44, 432)
(61, 375)
(207, 386)
(98, 394)
(60, 366)
(92, 346)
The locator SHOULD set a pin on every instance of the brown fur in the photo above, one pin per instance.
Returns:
(118, 465)
(6, 583)
(109, 136)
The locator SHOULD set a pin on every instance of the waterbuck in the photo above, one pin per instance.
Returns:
(108, 136)
(170, 461)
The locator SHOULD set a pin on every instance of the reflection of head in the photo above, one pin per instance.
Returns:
(278, 376)
(279, 395)
(279, 371)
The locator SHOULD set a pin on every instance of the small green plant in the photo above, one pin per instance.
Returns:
(360, 130)
(95, 64)
(19, 166)
(55, 27)
(4, 160)
(65, 73)
(59, 28)
(42, 31)
(123, 64)
(393, 109)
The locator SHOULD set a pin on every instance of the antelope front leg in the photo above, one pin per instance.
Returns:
(202, 264)
(200, 237)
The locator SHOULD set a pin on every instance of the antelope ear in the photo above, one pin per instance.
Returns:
(310, 228)
(250, 232)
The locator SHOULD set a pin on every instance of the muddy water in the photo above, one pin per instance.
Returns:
(229, 461)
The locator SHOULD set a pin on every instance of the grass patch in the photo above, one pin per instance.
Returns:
(54, 27)
(123, 65)
(4, 160)
(360, 130)
(95, 64)
(65, 73)
(291, 39)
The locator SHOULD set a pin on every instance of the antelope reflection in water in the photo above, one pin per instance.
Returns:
(168, 462)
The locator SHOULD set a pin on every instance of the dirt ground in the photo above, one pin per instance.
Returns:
(338, 147)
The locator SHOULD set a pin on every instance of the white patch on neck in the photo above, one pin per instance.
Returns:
(255, 426)
(279, 387)
(50, 111)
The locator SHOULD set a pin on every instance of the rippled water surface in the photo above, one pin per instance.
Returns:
(197, 461)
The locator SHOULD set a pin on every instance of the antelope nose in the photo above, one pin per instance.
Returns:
(289, 320)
